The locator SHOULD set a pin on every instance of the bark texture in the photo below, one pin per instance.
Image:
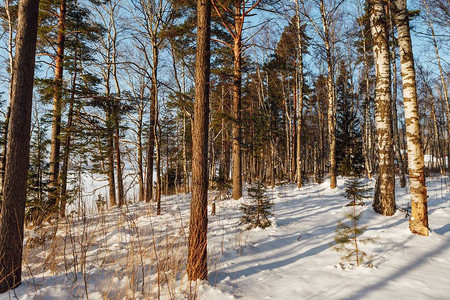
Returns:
(17, 160)
(395, 131)
(57, 107)
(327, 38)
(418, 222)
(236, 128)
(384, 200)
(197, 256)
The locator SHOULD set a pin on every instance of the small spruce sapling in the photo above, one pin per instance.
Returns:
(347, 239)
(256, 214)
(356, 191)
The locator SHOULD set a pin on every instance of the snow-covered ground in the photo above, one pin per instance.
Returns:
(134, 254)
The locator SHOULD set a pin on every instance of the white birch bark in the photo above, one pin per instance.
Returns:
(384, 200)
(299, 99)
(418, 222)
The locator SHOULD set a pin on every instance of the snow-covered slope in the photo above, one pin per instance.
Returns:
(126, 253)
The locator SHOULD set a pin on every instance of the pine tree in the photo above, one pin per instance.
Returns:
(348, 129)
(356, 192)
(36, 207)
(256, 214)
(197, 265)
(347, 238)
(13, 205)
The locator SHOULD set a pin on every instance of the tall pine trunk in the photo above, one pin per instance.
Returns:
(418, 222)
(384, 199)
(4, 150)
(236, 110)
(197, 256)
(18, 154)
(57, 107)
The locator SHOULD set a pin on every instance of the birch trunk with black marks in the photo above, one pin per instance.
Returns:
(331, 95)
(384, 199)
(299, 99)
(418, 222)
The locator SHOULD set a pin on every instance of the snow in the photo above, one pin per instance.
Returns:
(118, 253)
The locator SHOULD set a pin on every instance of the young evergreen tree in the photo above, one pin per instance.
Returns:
(36, 206)
(83, 84)
(256, 214)
(347, 239)
(348, 132)
(356, 191)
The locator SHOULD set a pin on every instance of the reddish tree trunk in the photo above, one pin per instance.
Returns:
(197, 257)
(57, 107)
(18, 154)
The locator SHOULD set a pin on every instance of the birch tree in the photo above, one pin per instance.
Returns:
(365, 48)
(429, 22)
(299, 94)
(418, 222)
(384, 199)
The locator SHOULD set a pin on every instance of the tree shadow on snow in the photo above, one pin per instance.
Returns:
(443, 230)
(364, 292)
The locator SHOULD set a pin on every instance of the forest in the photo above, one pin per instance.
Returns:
(172, 149)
